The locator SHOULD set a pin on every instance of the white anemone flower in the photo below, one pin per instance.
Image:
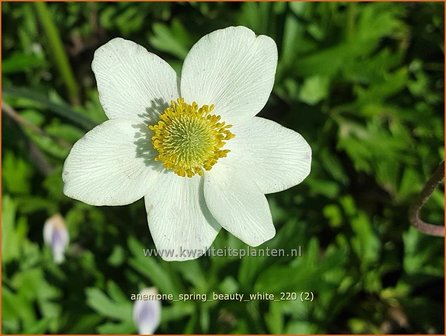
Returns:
(55, 235)
(147, 311)
(191, 146)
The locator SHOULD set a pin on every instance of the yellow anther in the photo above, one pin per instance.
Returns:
(189, 139)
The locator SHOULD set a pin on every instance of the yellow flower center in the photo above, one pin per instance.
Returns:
(189, 139)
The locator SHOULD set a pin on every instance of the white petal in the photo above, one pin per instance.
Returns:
(147, 313)
(111, 165)
(238, 205)
(232, 69)
(132, 82)
(179, 221)
(275, 157)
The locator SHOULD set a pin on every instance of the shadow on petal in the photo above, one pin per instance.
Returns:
(143, 135)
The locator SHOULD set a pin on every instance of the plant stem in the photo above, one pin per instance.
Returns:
(414, 214)
(26, 124)
(56, 47)
(36, 155)
(351, 20)
(59, 109)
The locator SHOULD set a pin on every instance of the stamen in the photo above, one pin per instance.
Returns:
(189, 139)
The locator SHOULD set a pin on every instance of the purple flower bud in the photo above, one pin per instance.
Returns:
(147, 311)
(55, 235)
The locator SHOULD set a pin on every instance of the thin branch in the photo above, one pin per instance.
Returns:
(39, 158)
(414, 212)
(19, 120)
(36, 155)
(14, 115)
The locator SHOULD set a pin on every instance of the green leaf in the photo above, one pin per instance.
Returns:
(125, 327)
(57, 50)
(64, 111)
(21, 62)
(274, 318)
(151, 269)
(16, 174)
(174, 40)
(102, 304)
(10, 237)
(176, 312)
(116, 293)
(314, 90)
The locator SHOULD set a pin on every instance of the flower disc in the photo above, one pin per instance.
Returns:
(189, 139)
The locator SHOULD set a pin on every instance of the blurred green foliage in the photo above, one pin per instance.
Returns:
(362, 82)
